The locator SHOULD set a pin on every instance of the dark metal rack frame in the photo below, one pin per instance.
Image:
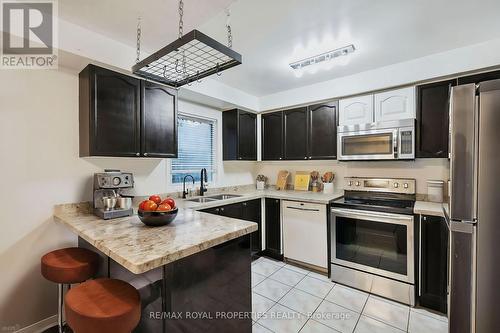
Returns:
(204, 57)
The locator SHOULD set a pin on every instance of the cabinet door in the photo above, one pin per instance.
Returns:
(247, 136)
(434, 263)
(158, 121)
(356, 110)
(395, 104)
(433, 103)
(295, 124)
(322, 143)
(234, 211)
(252, 212)
(115, 119)
(272, 136)
(273, 228)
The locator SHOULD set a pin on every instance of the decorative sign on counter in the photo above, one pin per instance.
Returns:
(282, 180)
(302, 179)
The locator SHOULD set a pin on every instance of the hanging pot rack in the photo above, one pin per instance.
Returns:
(189, 58)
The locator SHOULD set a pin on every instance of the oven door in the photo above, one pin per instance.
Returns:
(374, 242)
(379, 144)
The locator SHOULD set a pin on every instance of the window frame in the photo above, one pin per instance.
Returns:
(215, 169)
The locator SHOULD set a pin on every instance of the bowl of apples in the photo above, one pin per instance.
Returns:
(156, 211)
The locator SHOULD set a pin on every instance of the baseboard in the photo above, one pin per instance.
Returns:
(40, 326)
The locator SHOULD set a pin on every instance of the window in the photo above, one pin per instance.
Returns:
(196, 145)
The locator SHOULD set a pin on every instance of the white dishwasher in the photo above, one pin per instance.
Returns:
(305, 233)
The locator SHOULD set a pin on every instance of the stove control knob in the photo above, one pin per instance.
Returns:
(357, 184)
(396, 185)
(405, 185)
(350, 183)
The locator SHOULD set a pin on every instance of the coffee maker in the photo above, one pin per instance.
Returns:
(112, 197)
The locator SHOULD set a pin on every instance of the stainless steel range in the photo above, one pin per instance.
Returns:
(372, 237)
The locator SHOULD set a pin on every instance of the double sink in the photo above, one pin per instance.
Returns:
(214, 198)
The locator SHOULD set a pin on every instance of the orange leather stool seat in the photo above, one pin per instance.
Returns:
(103, 306)
(69, 265)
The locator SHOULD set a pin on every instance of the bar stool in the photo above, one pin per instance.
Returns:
(103, 306)
(68, 266)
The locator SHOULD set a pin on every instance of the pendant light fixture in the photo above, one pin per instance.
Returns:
(190, 58)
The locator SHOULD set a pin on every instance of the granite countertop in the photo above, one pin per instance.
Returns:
(313, 197)
(140, 248)
(430, 208)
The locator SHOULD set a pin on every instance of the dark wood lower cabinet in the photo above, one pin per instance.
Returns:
(434, 263)
(248, 211)
(273, 229)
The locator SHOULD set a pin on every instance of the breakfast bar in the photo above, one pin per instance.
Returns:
(191, 274)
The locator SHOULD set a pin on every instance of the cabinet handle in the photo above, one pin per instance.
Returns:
(244, 204)
(279, 158)
(305, 158)
(145, 154)
(137, 154)
(310, 157)
(240, 158)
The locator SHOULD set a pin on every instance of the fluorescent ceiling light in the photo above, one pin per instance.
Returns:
(330, 55)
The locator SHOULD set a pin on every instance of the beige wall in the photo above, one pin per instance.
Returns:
(40, 167)
(420, 169)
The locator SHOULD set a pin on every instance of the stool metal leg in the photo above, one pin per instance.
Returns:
(60, 299)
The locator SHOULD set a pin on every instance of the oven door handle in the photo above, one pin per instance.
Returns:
(369, 214)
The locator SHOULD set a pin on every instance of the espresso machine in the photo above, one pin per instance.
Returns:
(112, 197)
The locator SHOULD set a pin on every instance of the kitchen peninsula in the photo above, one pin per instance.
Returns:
(193, 273)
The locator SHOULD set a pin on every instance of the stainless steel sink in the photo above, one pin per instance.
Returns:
(202, 200)
(223, 196)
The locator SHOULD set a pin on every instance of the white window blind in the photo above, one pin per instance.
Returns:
(196, 148)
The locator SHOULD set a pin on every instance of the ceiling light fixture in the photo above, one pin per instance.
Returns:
(330, 55)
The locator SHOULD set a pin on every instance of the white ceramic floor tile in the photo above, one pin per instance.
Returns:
(265, 268)
(347, 297)
(272, 261)
(287, 276)
(370, 325)
(422, 324)
(257, 328)
(300, 301)
(260, 305)
(257, 278)
(313, 326)
(280, 319)
(272, 289)
(336, 317)
(315, 287)
(430, 314)
(322, 277)
(297, 269)
(388, 312)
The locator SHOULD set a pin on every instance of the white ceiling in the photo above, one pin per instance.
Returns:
(271, 34)
(117, 19)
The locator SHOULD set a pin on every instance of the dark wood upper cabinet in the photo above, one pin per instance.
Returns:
(273, 228)
(432, 137)
(477, 78)
(158, 121)
(434, 271)
(322, 138)
(272, 136)
(295, 127)
(123, 116)
(239, 135)
(109, 113)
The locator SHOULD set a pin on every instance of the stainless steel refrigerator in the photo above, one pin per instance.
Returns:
(474, 213)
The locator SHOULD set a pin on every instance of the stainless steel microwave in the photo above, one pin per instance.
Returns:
(390, 140)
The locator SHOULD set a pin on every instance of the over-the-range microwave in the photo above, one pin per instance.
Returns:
(390, 140)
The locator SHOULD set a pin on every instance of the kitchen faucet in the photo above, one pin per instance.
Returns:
(184, 192)
(203, 178)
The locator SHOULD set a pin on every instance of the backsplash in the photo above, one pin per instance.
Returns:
(420, 169)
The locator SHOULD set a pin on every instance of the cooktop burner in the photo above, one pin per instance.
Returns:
(381, 202)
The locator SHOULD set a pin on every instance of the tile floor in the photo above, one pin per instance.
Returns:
(290, 299)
